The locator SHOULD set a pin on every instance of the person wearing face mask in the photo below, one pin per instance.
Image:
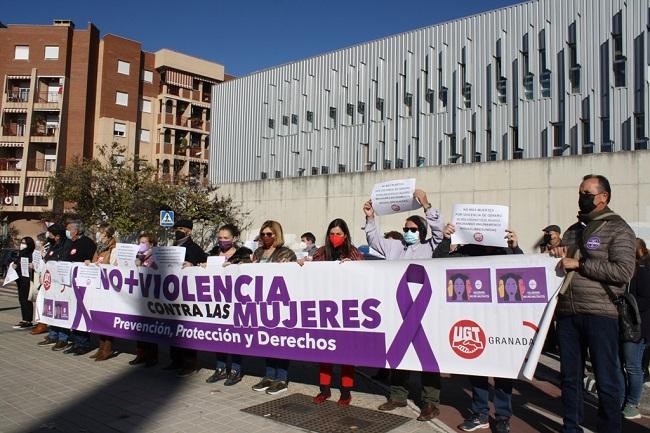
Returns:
(309, 241)
(80, 249)
(272, 250)
(598, 256)
(185, 360)
(227, 247)
(146, 352)
(105, 255)
(338, 247)
(57, 245)
(23, 282)
(480, 411)
(414, 246)
(551, 238)
(42, 246)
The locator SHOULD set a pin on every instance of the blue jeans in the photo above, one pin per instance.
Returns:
(599, 334)
(277, 369)
(58, 334)
(235, 361)
(632, 359)
(481, 396)
(81, 339)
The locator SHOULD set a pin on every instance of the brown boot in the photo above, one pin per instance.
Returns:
(428, 412)
(41, 328)
(105, 352)
(99, 349)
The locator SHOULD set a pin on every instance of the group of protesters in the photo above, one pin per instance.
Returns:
(587, 325)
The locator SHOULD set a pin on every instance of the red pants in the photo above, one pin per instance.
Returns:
(347, 375)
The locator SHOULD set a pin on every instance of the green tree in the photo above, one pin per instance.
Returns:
(125, 193)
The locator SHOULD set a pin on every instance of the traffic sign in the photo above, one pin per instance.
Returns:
(167, 218)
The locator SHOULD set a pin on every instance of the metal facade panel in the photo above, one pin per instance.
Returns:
(370, 86)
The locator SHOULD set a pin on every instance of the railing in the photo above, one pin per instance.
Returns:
(44, 131)
(21, 95)
(184, 121)
(13, 130)
(10, 164)
(52, 97)
(42, 164)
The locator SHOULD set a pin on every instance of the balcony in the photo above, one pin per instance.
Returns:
(48, 99)
(184, 122)
(42, 165)
(45, 134)
(14, 130)
(18, 95)
(12, 165)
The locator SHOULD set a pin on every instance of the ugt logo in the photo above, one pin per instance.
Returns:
(467, 339)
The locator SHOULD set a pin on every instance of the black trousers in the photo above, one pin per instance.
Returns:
(26, 307)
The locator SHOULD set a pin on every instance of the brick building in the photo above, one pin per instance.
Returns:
(68, 91)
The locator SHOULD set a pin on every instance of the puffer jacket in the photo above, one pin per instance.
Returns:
(607, 250)
(393, 249)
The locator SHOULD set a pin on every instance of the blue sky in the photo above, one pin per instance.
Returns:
(247, 36)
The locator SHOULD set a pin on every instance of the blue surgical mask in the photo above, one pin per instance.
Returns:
(68, 234)
(411, 238)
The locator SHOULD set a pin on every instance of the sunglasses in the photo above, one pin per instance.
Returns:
(268, 234)
(412, 229)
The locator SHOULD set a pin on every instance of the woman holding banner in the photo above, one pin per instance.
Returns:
(480, 416)
(414, 246)
(146, 353)
(105, 255)
(23, 282)
(338, 247)
(227, 247)
(272, 250)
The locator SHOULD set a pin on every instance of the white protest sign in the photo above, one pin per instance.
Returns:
(37, 259)
(215, 262)
(169, 257)
(87, 275)
(394, 196)
(11, 275)
(480, 224)
(24, 266)
(63, 270)
(125, 254)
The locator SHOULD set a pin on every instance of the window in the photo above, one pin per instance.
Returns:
(619, 56)
(574, 67)
(332, 116)
(361, 109)
(527, 76)
(123, 67)
(349, 112)
(119, 129)
(314, 171)
(22, 52)
(294, 119)
(271, 123)
(122, 98)
(146, 106)
(324, 169)
(145, 135)
(147, 76)
(380, 108)
(544, 72)
(429, 97)
(51, 52)
(341, 168)
(501, 81)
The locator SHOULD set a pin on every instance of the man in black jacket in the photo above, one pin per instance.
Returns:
(80, 249)
(185, 360)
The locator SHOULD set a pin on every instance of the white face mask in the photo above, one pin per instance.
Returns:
(68, 234)
(303, 245)
(98, 236)
(23, 246)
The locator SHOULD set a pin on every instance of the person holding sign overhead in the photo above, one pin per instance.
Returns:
(414, 246)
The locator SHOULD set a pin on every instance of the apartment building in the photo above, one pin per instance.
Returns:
(67, 92)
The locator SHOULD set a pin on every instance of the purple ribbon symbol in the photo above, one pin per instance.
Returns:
(412, 313)
(81, 311)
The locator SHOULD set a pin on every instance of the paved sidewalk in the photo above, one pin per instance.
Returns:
(47, 392)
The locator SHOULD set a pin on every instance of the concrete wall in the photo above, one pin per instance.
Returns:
(538, 191)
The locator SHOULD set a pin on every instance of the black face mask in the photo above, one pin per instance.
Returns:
(546, 240)
(586, 203)
(179, 235)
